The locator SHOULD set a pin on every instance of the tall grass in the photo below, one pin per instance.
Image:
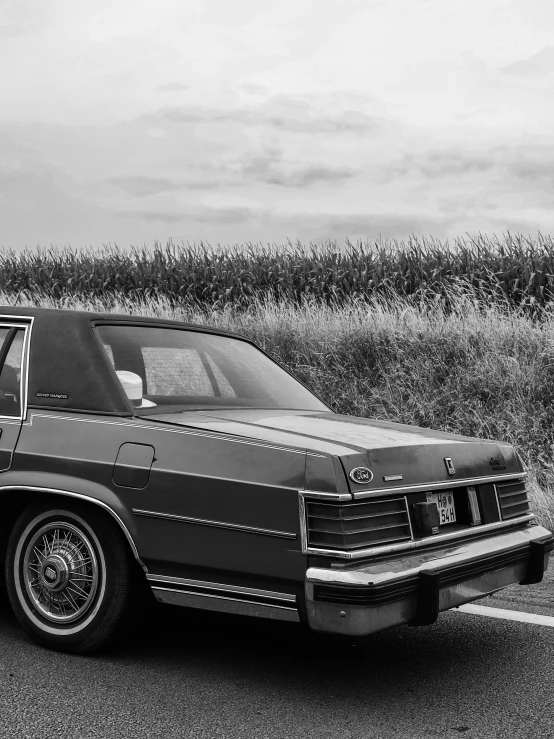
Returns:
(512, 268)
(479, 368)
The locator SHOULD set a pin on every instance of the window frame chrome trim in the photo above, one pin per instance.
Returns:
(26, 323)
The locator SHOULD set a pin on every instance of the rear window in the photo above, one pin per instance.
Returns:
(163, 369)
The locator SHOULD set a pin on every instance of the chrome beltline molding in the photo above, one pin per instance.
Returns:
(89, 499)
(174, 430)
(445, 485)
(215, 524)
(469, 534)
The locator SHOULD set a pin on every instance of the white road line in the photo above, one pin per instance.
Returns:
(528, 618)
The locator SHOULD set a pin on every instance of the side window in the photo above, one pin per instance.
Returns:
(11, 349)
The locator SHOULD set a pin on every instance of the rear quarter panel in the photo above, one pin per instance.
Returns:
(222, 482)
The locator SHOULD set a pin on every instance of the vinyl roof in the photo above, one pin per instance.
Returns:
(67, 359)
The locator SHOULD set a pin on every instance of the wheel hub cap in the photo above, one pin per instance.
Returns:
(54, 573)
(60, 571)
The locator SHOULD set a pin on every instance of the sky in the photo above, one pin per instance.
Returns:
(133, 121)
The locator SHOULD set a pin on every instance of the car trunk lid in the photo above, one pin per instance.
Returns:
(397, 455)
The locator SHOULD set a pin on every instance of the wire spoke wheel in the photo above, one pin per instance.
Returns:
(60, 572)
(68, 575)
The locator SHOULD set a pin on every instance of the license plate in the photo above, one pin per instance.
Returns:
(445, 504)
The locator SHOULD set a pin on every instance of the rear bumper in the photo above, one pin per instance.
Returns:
(362, 600)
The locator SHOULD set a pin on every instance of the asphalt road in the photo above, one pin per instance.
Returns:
(190, 674)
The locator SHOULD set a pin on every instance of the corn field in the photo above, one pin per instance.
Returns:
(514, 269)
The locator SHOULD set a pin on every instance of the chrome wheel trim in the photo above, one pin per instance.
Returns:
(60, 572)
(28, 604)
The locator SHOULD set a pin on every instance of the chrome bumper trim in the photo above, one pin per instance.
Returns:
(369, 598)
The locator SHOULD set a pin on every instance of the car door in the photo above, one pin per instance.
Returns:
(13, 385)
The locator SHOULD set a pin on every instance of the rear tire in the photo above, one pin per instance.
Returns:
(68, 572)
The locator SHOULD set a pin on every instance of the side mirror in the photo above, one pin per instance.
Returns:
(132, 385)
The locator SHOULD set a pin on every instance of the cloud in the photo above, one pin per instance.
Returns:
(20, 19)
(538, 64)
(283, 113)
(236, 214)
(529, 162)
(311, 176)
(96, 184)
(172, 87)
(152, 215)
(229, 215)
(271, 169)
(59, 214)
(386, 224)
(11, 31)
(312, 225)
(268, 168)
(253, 89)
(533, 171)
(142, 186)
(533, 164)
(435, 164)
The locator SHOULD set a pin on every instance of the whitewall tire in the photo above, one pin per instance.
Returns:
(67, 576)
